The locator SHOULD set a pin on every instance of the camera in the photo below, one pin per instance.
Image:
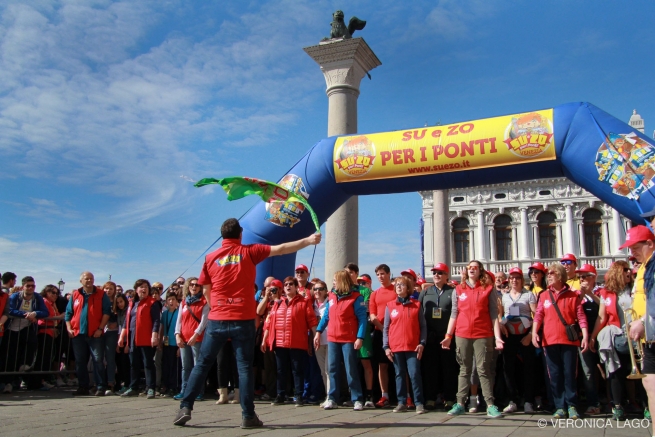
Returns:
(274, 290)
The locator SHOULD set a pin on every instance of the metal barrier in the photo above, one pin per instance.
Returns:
(33, 351)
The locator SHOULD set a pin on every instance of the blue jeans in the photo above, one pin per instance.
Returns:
(111, 341)
(294, 358)
(82, 344)
(313, 379)
(589, 360)
(347, 352)
(406, 362)
(142, 357)
(562, 362)
(242, 334)
(189, 355)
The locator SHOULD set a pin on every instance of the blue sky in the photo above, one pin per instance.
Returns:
(107, 109)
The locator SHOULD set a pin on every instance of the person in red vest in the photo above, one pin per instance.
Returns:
(549, 331)
(285, 332)
(190, 328)
(87, 315)
(346, 318)
(474, 320)
(46, 334)
(141, 333)
(405, 334)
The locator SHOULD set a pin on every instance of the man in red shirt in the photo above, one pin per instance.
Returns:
(377, 307)
(227, 277)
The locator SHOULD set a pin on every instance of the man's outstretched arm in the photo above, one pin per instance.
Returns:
(295, 246)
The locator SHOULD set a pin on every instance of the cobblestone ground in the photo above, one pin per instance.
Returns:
(57, 413)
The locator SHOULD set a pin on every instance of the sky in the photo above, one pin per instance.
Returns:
(109, 109)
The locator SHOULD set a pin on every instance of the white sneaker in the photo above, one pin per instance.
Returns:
(511, 408)
(527, 408)
(369, 404)
(348, 404)
(473, 404)
(8, 388)
(60, 382)
(358, 406)
(330, 405)
(23, 385)
(47, 385)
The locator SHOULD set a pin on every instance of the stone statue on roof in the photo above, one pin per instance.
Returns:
(339, 28)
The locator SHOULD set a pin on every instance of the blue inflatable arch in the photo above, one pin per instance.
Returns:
(579, 131)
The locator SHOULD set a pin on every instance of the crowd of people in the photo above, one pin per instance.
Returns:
(554, 338)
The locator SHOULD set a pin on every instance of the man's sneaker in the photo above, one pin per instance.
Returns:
(590, 411)
(348, 404)
(178, 397)
(382, 403)
(457, 410)
(199, 398)
(150, 394)
(573, 413)
(99, 392)
(401, 408)
(81, 392)
(358, 406)
(130, 392)
(618, 413)
(251, 422)
(183, 416)
(265, 397)
(330, 405)
(448, 405)
(511, 408)
(527, 408)
(492, 411)
(410, 403)
(122, 390)
(420, 409)
(559, 414)
(369, 404)
(279, 400)
(473, 404)
(60, 382)
(299, 402)
(47, 385)
(646, 413)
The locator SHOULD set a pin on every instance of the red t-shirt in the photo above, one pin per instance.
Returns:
(231, 272)
(379, 299)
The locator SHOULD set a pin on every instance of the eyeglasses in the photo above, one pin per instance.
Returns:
(319, 288)
(566, 262)
(400, 284)
(516, 278)
(193, 284)
(552, 273)
(438, 272)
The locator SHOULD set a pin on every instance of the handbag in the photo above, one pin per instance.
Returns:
(572, 330)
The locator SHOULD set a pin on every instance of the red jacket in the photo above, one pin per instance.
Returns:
(404, 329)
(569, 303)
(473, 318)
(143, 335)
(93, 311)
(189, 323)
(343, 320)
(611, 314)
(3, 301)
(289, 321)
(48, 326)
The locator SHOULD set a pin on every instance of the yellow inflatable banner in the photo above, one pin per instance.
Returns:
(490, 142)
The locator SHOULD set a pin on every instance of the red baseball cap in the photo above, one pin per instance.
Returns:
(302, 267)
(421, 281)
(636, 234)
(516, 270)
(538, 266)
(587, 268)
(364, 278)
(410, 272)
(569, 257)
(276, 283)
(493, 277)
(440, 267)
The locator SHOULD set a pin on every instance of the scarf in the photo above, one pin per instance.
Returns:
(404, 300)
(192, 298)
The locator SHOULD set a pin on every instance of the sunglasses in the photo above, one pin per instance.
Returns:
(566, 262)
(157, 288)
(289, 284)
(438, 272)
(626, 270)
(194, 285)
(552, 273)
(319, 288)
(586, 276)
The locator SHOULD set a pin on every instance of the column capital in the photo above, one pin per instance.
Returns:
(343, 62)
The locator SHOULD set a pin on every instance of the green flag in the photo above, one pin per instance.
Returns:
(237, 187)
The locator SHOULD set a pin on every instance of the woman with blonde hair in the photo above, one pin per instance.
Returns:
(614, 298)
(474, 322)
(346, 317)
(560, 339)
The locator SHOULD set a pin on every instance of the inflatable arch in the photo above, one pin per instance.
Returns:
(593, 149)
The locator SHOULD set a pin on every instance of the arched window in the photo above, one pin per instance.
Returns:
(461, 236)
(547, 234)
(503, 230)
(593, 235)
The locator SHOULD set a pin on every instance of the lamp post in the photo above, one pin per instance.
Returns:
(61, 284)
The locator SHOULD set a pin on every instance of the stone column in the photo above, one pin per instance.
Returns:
(617, 233)
(441, 221)
(537, 243)
(569, 244)
(482, 247)
(429, 242)
(524, 253)
(471, 244)
(583, 247)
(558, 240)
(606, 238)
(344, 62)
(492, 244)
(515, 243)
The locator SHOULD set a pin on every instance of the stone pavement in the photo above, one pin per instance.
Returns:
(57, 413)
